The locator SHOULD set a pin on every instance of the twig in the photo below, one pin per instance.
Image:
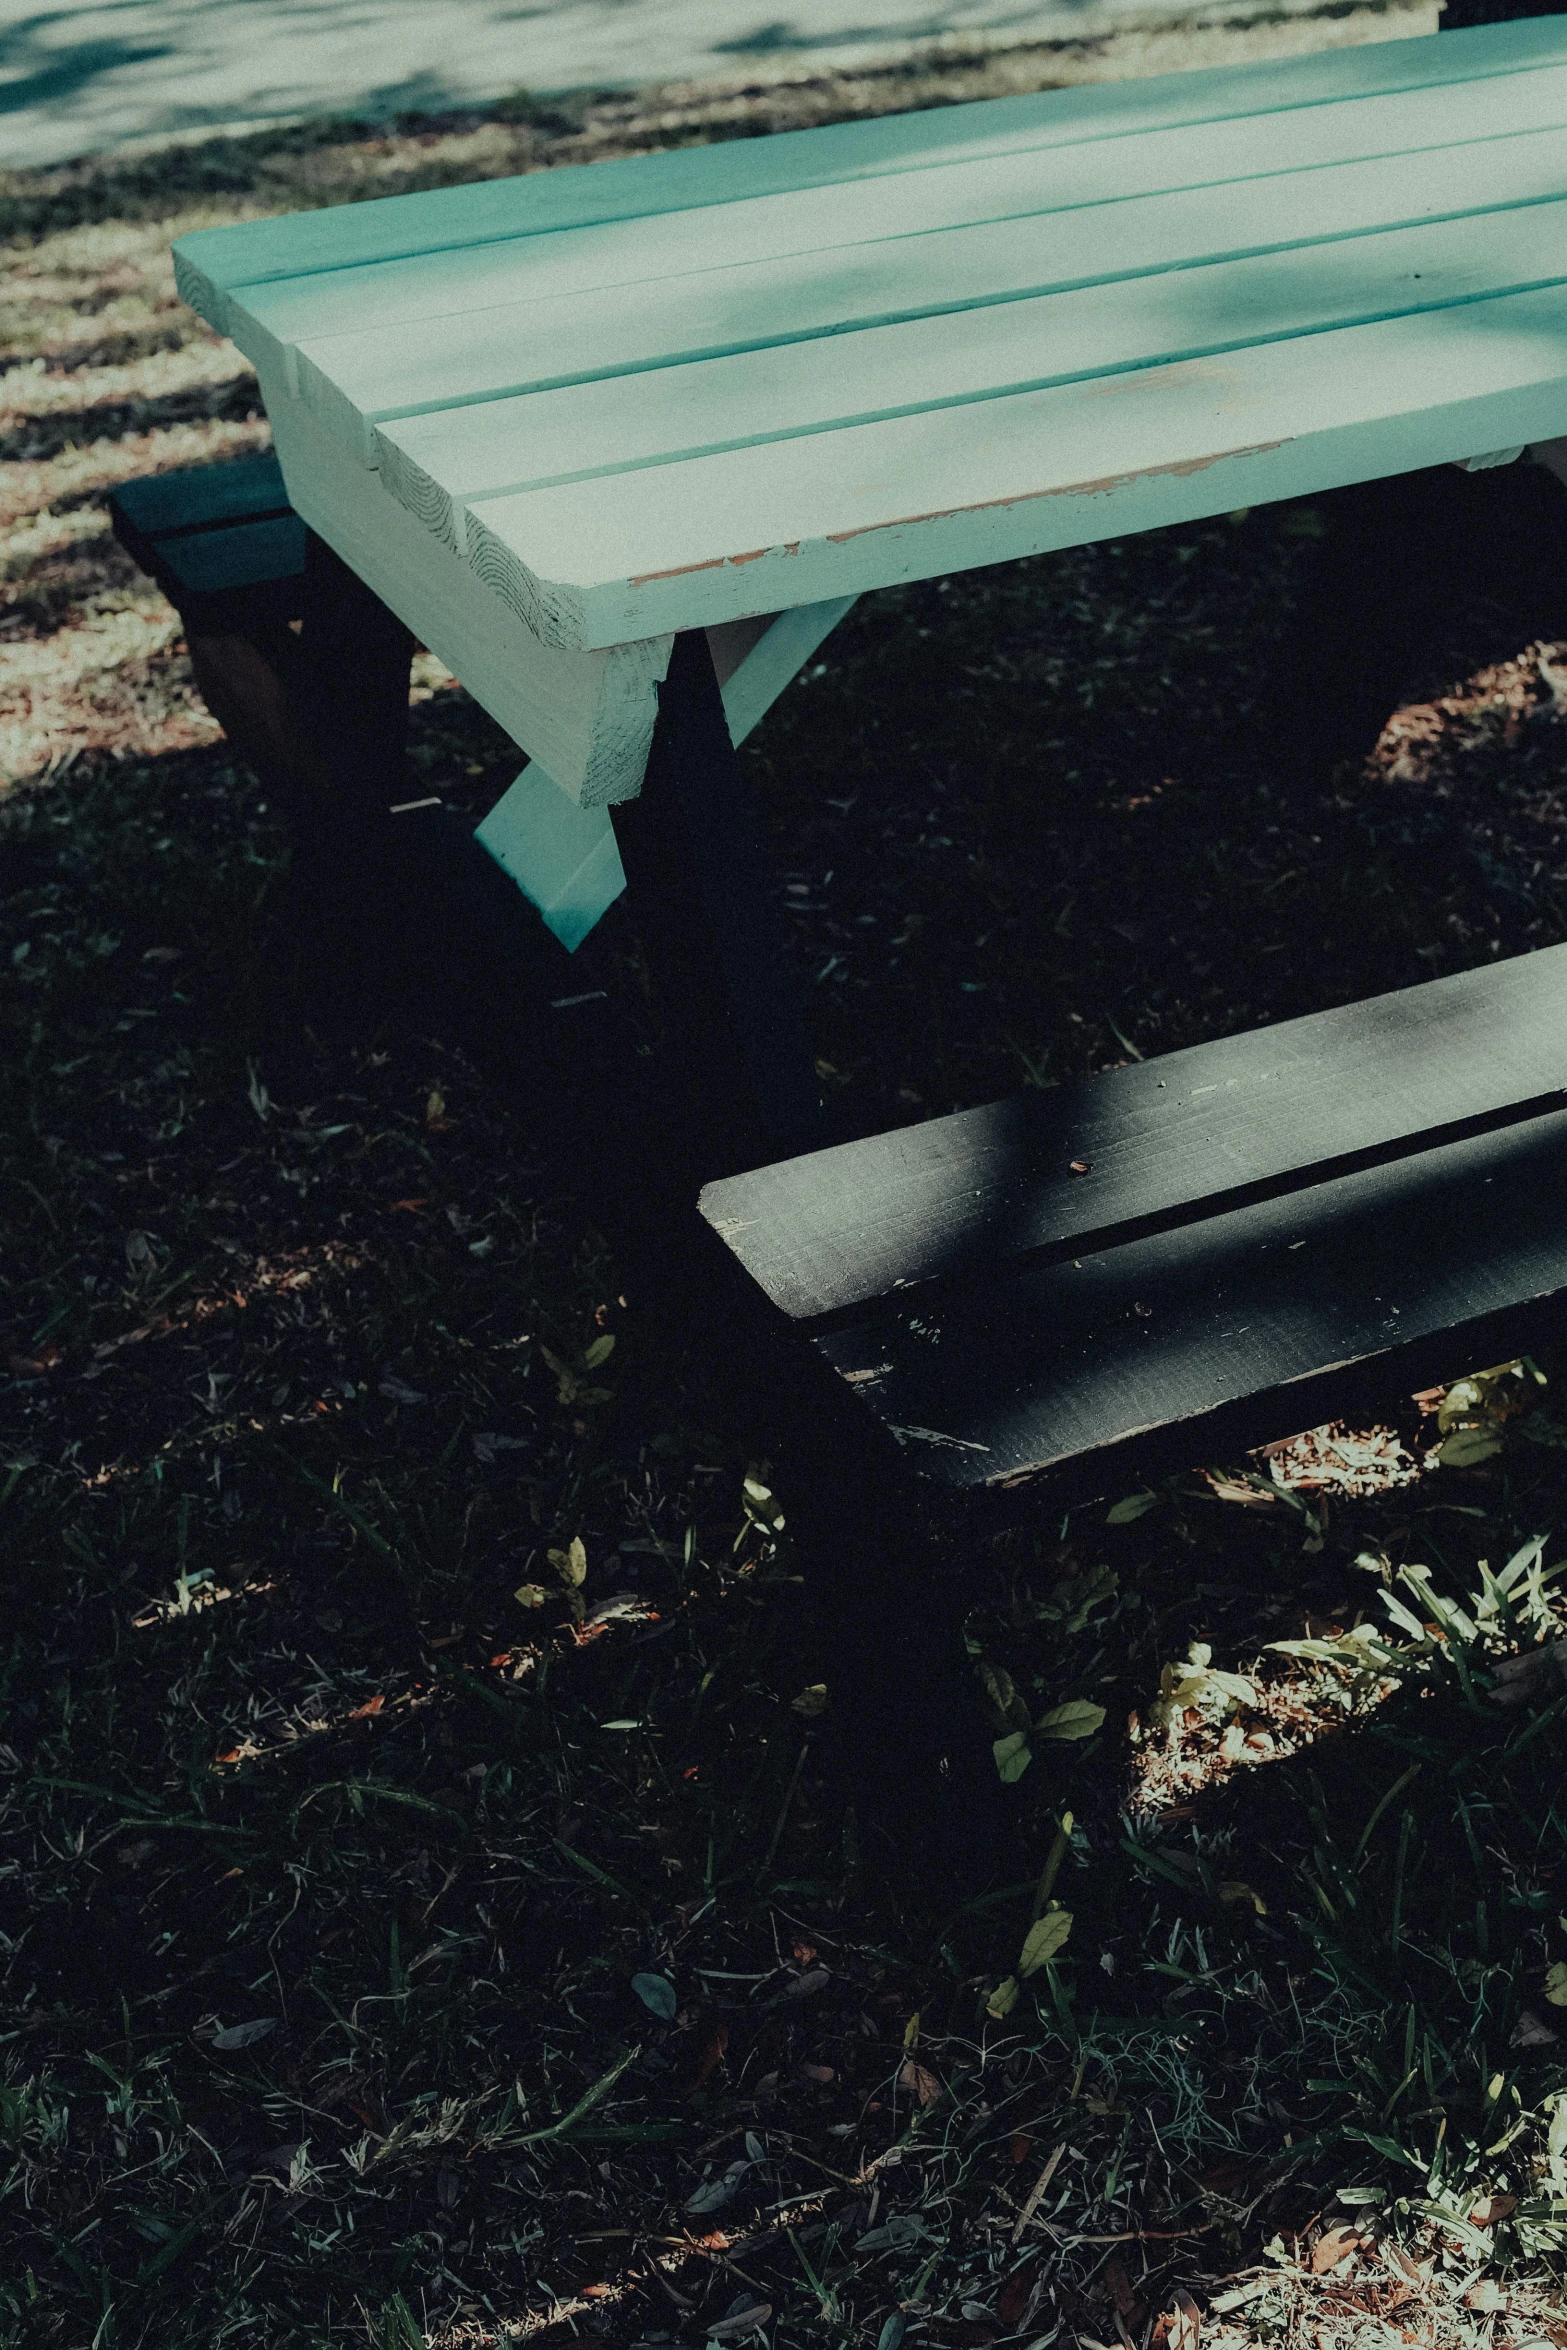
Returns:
(1039, 2186)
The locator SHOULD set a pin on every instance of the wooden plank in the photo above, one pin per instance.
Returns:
(587, 718)
(684, 280)
(440, 466)
(1258, 1321)
(796, 521)
(248, 554)
(1178, 1136)
(1025, 229)
(201, 496)
(775, 659)
(210, 261)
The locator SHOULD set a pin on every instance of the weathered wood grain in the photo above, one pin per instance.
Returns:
(798, 520)
(586, 717)
(1237, 1328)
(1071, 1170)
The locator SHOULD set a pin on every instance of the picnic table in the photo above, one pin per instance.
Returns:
(621, 443)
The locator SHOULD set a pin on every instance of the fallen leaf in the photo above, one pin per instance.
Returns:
(1184, 2321)
(657, 1994)
(1531, 2031)
(810, 1702)
(804, 1985)
(740, 2322)
(1078, 1718)
(243, 2035)
(1135, 1505)
(1466, 1448)
(1332, 2248)
(1234, 1889)
(1127, 2305)
(1490, 2209)
(919, 2082)
(715, 2193)
(1003, 1999)
(712, 2057)
(904, 2228)
(818, 2072)
(435, 1111)
(571, 1565)
(1012, 2299)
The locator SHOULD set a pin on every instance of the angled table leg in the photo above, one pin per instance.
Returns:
(739, 1076)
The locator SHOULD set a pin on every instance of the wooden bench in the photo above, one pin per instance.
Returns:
(307, 674)
(1181, 1258)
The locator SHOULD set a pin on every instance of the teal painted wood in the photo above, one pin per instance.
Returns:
(563, 858)
(461, 456)
(673, 259)
(1017, 327)
(211, 261)
(1041, 228)
(712, 538)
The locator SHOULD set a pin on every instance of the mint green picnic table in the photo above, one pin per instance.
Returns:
(562, 422)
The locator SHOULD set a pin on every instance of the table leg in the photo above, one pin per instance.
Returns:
(739, 1076)
(348, 696)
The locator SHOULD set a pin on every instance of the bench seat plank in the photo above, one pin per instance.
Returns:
(1234, 1330)
(1272, 1209)
(1178, 1136)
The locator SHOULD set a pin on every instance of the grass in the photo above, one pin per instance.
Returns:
(420, 1930)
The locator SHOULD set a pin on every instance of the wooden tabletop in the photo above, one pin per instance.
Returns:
(667, 392)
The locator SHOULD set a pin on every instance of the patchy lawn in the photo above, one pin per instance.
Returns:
(434, 1903)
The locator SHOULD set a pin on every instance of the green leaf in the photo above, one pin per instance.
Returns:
(1135, 1505)
(530, 1594)
(1003, 1999)
(1556, 1985)
(1012, 1755)
(600, 1351)
(571, 1565)
(657, 1994)
(1046, 1938)
(1467, 1447)
(1078, 1718)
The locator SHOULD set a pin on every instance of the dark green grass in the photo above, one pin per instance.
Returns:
(300, 1397)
